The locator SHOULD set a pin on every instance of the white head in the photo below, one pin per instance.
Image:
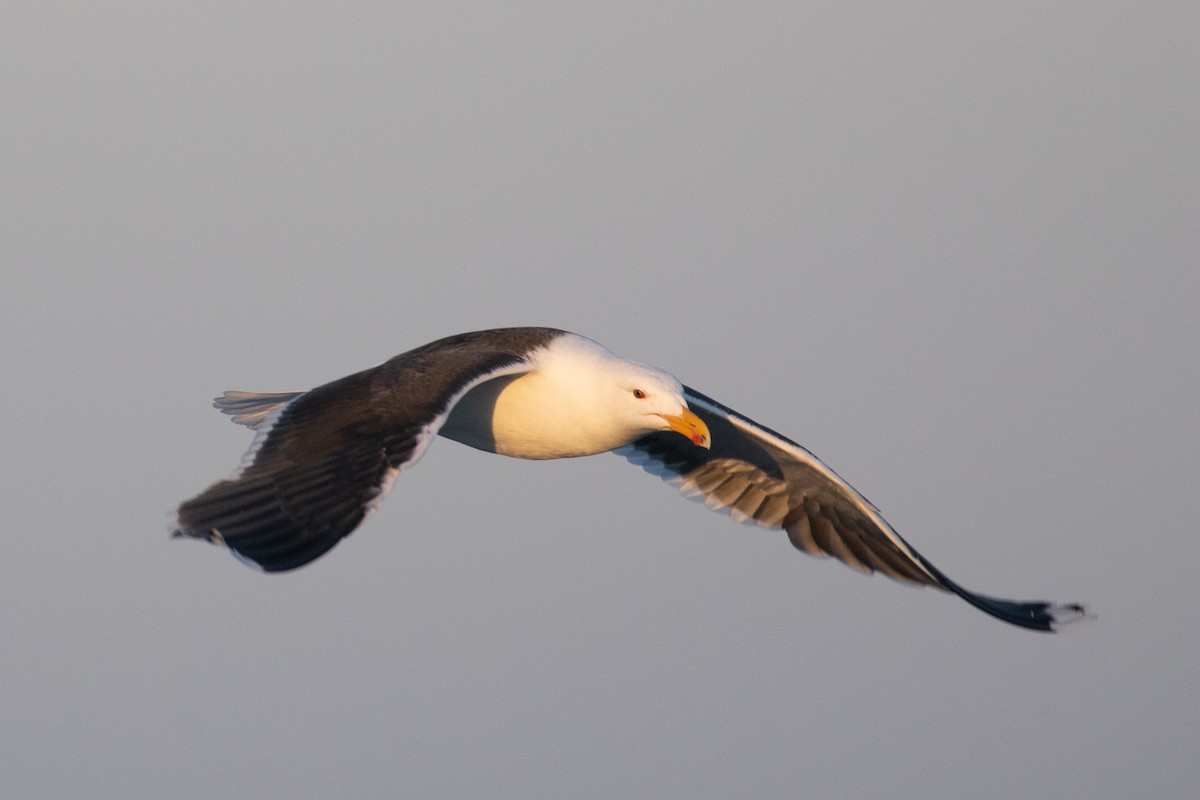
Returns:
(615, 400)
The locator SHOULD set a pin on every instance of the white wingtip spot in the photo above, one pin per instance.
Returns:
(1069, 617)
(248, 562)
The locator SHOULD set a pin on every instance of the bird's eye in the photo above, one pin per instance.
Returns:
(639, 394)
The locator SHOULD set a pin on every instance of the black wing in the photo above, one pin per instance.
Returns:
(322, 460)
(756, 474)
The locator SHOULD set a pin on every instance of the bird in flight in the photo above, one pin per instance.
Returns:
(322, 460)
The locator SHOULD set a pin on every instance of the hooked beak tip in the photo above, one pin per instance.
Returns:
(690, 426)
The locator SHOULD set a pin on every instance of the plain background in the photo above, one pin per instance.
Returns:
(950, 247)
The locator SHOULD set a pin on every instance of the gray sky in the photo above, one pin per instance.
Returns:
(951, 248)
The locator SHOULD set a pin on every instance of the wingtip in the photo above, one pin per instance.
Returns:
(1038, 615)
(178, 531)
(1068, 616)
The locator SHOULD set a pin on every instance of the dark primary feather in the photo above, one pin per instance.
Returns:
(322, 462)
(754, 473)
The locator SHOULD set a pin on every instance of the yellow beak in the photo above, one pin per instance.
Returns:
(690, 426)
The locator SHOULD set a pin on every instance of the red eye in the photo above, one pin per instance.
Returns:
(639, 394)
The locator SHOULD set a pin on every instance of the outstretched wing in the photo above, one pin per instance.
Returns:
(755, 474)
(322, 460)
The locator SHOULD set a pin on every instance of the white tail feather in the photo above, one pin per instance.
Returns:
(251, 408)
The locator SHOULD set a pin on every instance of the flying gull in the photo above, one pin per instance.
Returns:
(322, 460)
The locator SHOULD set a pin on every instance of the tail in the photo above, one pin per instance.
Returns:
(251, 408)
